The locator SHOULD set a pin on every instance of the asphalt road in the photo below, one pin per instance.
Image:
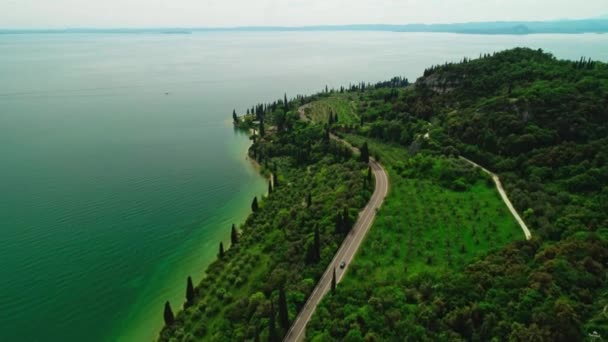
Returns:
(346, 253)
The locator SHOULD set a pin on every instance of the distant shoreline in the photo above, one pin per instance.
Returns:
(599, 25)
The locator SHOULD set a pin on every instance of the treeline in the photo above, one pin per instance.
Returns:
(526, 292)
(542, 125)
(267, 114)
(280, 108)
(263, 277)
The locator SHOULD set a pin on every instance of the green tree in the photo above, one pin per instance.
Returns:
(275, 180)
(346, 222)
(531, 333)
(317, 244)
(565, 321)
(189, 292)
(283, 311)
(262, 132)
(168, 314)
(308, 200)
(269, 187)
(254, 205)
(234, 235)
(354, 335)
(235, 118)
(364, 157)
(369, 175)
(333, 282)
(221, 253)
(272, 329)
(339, 223)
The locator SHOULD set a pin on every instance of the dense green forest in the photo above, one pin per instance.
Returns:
(542, 125)
(444, 259)
(273, 261)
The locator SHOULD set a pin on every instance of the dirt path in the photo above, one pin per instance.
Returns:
(504, 196)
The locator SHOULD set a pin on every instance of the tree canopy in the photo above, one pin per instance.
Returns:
(542, 125)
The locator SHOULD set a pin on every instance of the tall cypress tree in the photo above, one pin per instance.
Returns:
(235, 118)
(283, 312)
(262, 128)
(369, 175)
(339, 223)
(308, 200)
(333, 282)
(254, 205)
(285, 101)
(275, 179)
(189, 292)
(272, 329)
(168, 314)
(221, 253)
(269, 187)
(317, 245)
(346, 224)
(364, 153)
(234, 235)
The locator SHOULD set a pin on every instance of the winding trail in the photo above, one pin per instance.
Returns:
(345, 253)
(504, 196)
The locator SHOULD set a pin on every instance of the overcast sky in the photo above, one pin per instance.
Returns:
(147, 13)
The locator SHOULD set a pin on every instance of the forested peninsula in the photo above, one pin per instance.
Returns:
(444, 259)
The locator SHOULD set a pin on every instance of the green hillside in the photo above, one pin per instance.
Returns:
(445, 258)
(541, 124)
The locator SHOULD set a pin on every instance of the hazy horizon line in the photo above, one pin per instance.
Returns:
(299, 27)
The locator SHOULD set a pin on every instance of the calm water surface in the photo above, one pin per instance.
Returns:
(120, 171)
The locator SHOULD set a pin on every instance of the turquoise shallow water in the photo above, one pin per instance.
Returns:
(112, 191)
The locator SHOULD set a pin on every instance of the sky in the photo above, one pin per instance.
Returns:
(228, 13)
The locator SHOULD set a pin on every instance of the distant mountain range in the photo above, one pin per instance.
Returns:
(596, 25)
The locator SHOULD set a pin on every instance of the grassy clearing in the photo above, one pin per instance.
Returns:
(389, 155)
(425, 227)
(345, 105)
(436, 228)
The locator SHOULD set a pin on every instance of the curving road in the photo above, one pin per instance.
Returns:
(346, 253)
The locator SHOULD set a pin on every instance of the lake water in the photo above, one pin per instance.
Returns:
(120, 171)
